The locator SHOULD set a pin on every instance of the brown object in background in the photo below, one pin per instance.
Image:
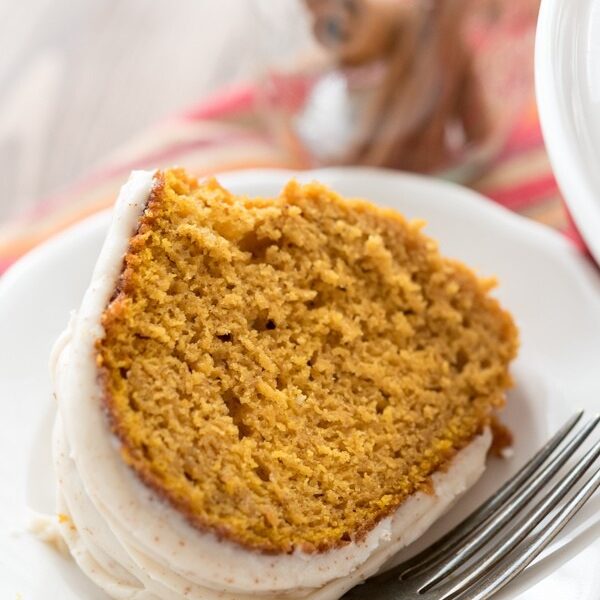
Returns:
(355, 31)
(429, 106)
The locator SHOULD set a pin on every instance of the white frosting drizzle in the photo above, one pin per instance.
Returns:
(135, 546)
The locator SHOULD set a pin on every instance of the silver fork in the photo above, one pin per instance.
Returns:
(488, 549)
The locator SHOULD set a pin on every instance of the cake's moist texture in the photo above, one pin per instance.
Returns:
(286, 372)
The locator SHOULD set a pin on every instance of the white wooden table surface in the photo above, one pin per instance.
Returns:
(80, 77)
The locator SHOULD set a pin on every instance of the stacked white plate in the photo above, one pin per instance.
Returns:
(567, 73)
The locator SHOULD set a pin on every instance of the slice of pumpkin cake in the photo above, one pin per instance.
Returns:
(267, 398)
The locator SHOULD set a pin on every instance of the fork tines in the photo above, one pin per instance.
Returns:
(488, 549)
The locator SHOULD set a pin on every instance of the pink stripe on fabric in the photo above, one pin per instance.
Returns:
(525, 136)
(5, 263)
(223, 104)
(524, 194)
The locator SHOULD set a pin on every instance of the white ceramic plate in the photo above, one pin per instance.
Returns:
(553, 293)
(567, 72)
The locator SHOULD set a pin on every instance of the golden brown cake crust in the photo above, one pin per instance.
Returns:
(286, 372)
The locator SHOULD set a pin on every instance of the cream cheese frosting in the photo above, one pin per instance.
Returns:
(137, 547)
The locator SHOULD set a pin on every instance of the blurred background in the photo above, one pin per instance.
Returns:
(78, 79)
(91, 89)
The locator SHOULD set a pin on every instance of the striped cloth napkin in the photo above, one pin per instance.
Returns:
(225, 132)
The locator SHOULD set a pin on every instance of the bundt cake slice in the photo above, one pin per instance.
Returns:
(285, 375)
